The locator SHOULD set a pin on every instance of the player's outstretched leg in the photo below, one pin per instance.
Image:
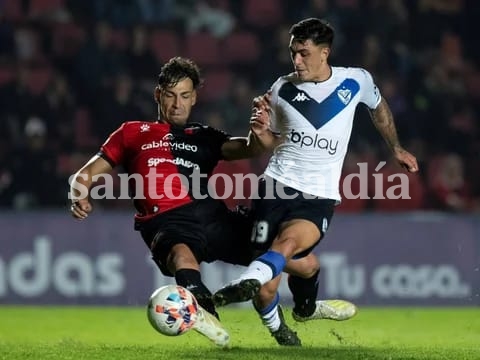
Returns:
(328, 309)
(209, 326)
(260, 271)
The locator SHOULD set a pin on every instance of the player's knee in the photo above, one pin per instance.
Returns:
(296, 237)
(305, 267)
(285, 245)
(310, 266)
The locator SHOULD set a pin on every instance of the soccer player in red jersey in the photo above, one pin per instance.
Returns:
(168, 161)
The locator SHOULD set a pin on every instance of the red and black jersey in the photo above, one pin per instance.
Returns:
(167, 165)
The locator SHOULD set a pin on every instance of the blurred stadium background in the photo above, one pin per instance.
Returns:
(71, 71)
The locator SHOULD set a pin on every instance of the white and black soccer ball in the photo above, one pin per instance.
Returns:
(172, 310)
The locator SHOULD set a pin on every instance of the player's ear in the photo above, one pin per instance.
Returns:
(156, 94)
(326, 52)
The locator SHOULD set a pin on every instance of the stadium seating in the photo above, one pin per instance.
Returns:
(217, 83)
(7, 74)
(241, 47)
(43, 7)
(12, 10)
(204, 49)
(262, 13)
(67, 38)
(38, 79)
(165, 44)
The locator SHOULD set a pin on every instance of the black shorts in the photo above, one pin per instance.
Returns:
(272, 209)
(207, 227)
(229, 236)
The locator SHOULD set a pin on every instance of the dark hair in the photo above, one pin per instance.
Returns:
(317, 30)
(176, 69)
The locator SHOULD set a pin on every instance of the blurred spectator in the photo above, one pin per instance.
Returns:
(19, 101)
(6, 176)
(141, 60)
(62, 109)
(237, 107)
(156, 11)
(449, 188)
(82, 67)
(27, 43)
(33, 169)
(97, 63)
(116, 106)
(203, 16)
(275, 55)
(396, 191)
(354, 185)
(118, 13)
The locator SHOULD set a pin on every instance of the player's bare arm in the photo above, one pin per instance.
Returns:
(383, 120)
(82, 180)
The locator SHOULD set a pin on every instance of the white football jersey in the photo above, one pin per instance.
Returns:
(315, 120)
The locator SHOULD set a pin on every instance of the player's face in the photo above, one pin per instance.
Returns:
(309, 60)
(175, 103)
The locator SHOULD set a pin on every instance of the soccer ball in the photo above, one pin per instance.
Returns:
(172, 310)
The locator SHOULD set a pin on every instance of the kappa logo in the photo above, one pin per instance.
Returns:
(300, 97)
(345, 95)
(144, 127)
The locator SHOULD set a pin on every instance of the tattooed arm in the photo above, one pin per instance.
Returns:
(383, 120)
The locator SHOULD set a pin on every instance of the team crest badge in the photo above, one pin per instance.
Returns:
(345, 95)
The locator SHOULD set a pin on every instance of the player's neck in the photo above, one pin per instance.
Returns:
(324, 74)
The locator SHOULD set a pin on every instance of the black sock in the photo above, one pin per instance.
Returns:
(304, 293)
(192, 280)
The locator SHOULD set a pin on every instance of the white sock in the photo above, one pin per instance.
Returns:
(271, 319)
(258, 270)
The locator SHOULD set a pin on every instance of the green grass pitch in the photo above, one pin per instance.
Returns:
(124, 333)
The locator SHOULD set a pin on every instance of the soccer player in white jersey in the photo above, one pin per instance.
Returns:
(312, 109)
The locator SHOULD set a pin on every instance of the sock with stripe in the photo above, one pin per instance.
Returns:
(265, 267)
(269, 315)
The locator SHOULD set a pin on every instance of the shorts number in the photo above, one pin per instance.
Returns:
(260, 232)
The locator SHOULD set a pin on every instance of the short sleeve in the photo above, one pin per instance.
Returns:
(370, 93)
(114, 147)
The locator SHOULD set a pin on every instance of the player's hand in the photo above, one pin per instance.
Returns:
(406, 160)
(260, 119)
(81, 208)
(262, 102)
